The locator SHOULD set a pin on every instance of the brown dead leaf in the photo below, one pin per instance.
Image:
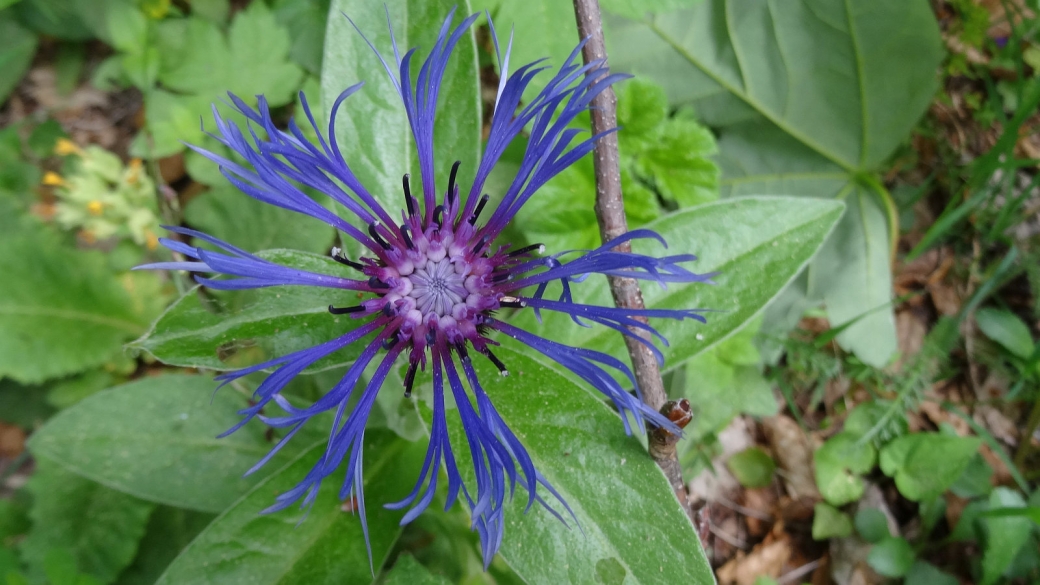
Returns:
(766, 559)
(759, 505)
(935, 413)
(794, 452)
(1000, 426)
(12, 440)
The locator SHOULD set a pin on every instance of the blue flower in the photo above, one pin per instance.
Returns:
(434, 278)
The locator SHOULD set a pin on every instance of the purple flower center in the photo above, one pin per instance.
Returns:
(438, 287)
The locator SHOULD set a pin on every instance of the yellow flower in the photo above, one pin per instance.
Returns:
(65, 147)
(95, 208)
(153, 241)
(135, 171)
(52, 179)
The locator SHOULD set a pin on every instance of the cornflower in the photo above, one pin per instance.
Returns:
(436, 276)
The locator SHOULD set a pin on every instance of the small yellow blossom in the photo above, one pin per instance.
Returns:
(135, 171)
(52, 179)
(65, 147)
(153, 240)
(95, 208)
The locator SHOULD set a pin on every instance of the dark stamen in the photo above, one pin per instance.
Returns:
(480, 207)
(500, 277)
(460, 348)
(407, 238)
(375, 235)
(409, 379)
(431, 337)
(390, 341)
(377, 284)
(351, 263)
(511, 302)
(451, 181)
(498, 363)
(408, 195)
(438, 215)
(480, 245)
(388, 310)
(345, 310)
(526, 249)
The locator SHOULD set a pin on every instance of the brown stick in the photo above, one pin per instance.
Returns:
(610, 212)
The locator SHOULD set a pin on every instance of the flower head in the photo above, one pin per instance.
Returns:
(435, 273)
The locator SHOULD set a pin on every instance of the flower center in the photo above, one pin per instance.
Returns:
(438, 286)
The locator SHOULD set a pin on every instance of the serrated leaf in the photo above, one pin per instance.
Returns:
(61, 310)
(158, 442)
(244, 546)
(372, 127)
(306, 23)
(756, 244)
(806, 99)
(632, 527)
(255, 325)
(233, 216)
(99, 525)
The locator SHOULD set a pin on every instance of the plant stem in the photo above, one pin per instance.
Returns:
(610, 213)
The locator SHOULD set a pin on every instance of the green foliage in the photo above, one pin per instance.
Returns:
(925, 465)
(1007, 329)
(100, 526)
(408, 571)
(61, 310)
(830, 522)
(244, 546)
(839, 464)
(17, 47)
(1004, 535)
(159, 442)
(872, 524)
(752, 467)
(615, 525)
(793, 120)
(891, 557)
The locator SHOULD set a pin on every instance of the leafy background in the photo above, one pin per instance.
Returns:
(860, 174)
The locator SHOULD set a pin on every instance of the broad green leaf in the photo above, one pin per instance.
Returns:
(851, 274)
(756, 245)
(752, 467)
(158, 442)
(233, 216)
(892, 557)
(1004, 534)
(371, 126)
(830, 522)
(99, 525)
(254, 326)
(244, 546)
(17, 48)
(306, 23)
(808, 100)
(1007, 329)
(61, 309)
(924, 465)
(169, 530)
(838, 465)
(923, 573)
(408, 571)
(57, 18)
(872, 524)
(633, 530)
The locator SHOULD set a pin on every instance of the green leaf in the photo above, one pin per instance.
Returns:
(306, 23)
(830, 522)
(1005, 535)
(169, 530)
(892, 557)
(61, 311)
(100, 526)
(852, 276)
(17, 48)
(632, 527)
(923, 573)
(872, 524)
(976, 479)
(752, 467)
(244, 546)
(227, 213)
(756, 245)
(924, 465)
(372, 127)
(807, 100)
(57, 18)
(255, 325)
(838, 464)
(158, 441)
(408, 571)
(1007, 329)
